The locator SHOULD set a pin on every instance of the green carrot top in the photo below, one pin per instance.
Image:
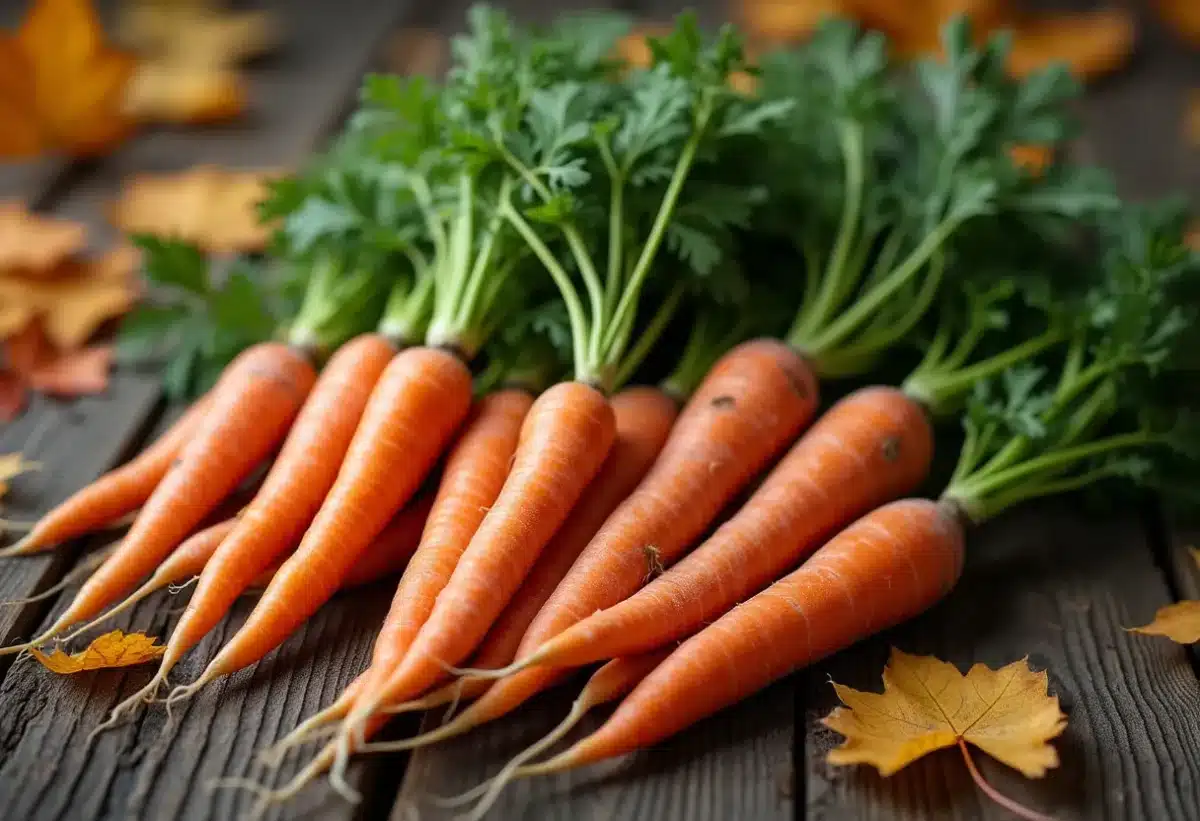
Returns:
(891, 179)
(1109, 400)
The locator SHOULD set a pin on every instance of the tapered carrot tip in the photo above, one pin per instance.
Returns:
(21, 547)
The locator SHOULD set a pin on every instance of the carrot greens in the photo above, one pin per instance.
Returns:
(1104, 405)
(599, 176)
(902, 178)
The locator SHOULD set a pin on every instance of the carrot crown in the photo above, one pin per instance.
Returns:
(900, 177)
(1109, 403)
(598, 176)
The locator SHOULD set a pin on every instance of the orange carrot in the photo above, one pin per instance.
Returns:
(873, 446)
(644, 417)
(290, 496)
(471, 480)
(394, 547)
(563, 443)
(748, 407)
(115, 494)
(885, 568)
(251, 408)
(609, 683)
(418, 403)
(184, 563)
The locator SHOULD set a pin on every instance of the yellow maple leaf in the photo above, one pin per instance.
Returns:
(927, 704)
(191, 51)
(74, 301)
(11, 466)
(36, 243)
(1180, 622)
(63, 86)
(1183, 16)
(115, 649)
(214, 208)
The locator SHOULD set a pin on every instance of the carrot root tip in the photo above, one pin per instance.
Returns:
(173, 589)
(22, 547)
(494, 673)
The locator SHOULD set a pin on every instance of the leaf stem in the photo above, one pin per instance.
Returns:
(939, 391)
(870, 302)
(817, 314)
(975, 490)
(650, 336)
(995, 795)
(658, 230)
(587, 267)
(575, 312)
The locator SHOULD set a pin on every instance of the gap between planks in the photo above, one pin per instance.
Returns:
(148, 769)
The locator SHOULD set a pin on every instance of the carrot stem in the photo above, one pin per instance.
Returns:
(991, 792)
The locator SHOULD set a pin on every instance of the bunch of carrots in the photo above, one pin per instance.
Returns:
(486, 266)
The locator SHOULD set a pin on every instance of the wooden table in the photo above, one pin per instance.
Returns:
(1047, 581)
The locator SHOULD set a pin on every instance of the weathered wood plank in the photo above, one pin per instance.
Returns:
(735, 765)
(1060, 588)
(75, 442)
(149, 768)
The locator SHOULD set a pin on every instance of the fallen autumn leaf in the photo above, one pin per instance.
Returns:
(62, 85)
(928, 704)
(11, 466)
(115, 649)
(213, 208)
(1179, 622)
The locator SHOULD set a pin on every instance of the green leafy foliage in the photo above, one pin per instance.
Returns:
(197, 321)
(1113, 402)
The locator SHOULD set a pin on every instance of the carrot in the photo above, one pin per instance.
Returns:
(115, 494)
(564, 441)
(290, 496)
(885, 568)
(644, 417)
(871, 447)
(251, 408)
(418, 403)
(609, 683)
(394, 547)
(750, 405)
(184, 563)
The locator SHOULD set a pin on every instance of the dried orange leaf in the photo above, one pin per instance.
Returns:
(786, 21)
(927, 704)
(632, 48)
(214, 208)
(185, 94)
(77, 79)
(11, 466)
(1033, 158)
(74, 373)
(417, 51)
(1180, 622)
(74, 301)
(1193, 236)
(1183, 16)
(196, 34)
(1089, 43)
(21, 135)
(12, 395)
(115, 649)
(36, 243)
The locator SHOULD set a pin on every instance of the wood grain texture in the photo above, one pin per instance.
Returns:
(151, 768)
(734, 765)
(1060, 588)
(75, 442)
